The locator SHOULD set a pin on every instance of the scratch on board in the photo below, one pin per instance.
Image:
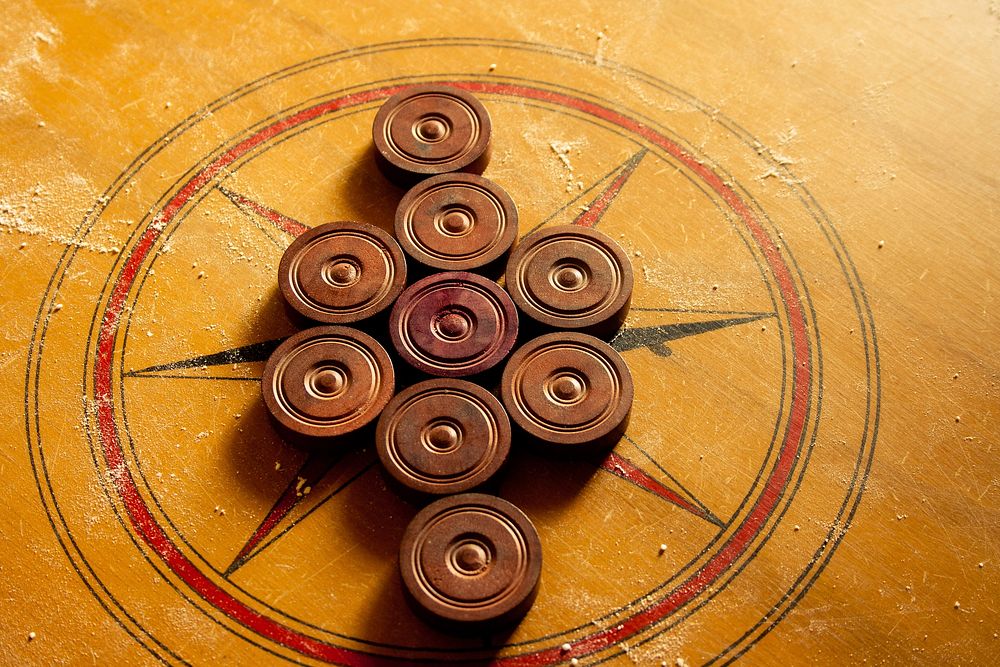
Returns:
(602, 45)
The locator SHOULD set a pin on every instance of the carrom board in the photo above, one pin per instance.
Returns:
(808, 196)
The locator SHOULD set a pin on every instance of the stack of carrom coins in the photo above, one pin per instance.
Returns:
(469, 559)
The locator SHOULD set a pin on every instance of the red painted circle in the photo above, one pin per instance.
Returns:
(737, 541)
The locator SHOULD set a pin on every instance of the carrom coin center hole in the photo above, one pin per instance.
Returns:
(565, 388)
(443, 436)
(327, 381)
(568, 277)
(470, 557)
(453, 325)
(431, 129)
(454, 221)
(341, 271)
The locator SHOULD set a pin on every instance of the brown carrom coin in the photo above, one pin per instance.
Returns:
(471, 560)
(571, 277)
(431, 129)
(453, 324)
(325, 382)
(443, 436)
(456, 222)
(342, 272)
(568, 389)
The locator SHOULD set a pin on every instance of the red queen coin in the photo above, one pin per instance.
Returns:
(453, 324)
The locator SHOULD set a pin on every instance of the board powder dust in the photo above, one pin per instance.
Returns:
(757, 404)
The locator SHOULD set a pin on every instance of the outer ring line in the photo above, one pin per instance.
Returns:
(153, 534)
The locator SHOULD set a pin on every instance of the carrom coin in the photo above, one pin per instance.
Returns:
(453, 324)
(327, 381)
(443, 436)
(431, 129)
(571, 277)
(471, 560)
(342, 272)
(456, 222)
(568, 389)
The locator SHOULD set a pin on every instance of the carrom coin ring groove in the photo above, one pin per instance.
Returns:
(568, 389)
(443, 436)
(456, 222)
(326, 381)
(341, 272)
(571, 277)
(431, 129)
(471, 560)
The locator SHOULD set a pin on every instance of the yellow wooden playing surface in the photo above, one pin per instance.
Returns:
(808, 194)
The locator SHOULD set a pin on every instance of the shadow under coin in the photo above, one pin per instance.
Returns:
(541, 482)
(363, 194)
(392, 619)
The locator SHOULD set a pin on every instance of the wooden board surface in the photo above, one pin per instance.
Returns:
(809, 196)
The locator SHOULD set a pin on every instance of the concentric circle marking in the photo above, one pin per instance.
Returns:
(164, 548)
(432, 129)
(454, 324)
(566, 387)
(341, 271)
(569, 276)
(470, 557)
(455, 221)
(327, 380)
(443, 436)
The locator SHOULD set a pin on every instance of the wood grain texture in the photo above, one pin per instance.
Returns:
(808, 193)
